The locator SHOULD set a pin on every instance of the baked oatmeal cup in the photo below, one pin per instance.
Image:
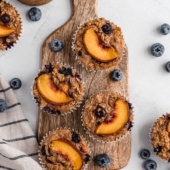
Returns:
(58, 89)
(98, 44)
(10, 25)
(107, 116)
(64, 149)
(160, 137)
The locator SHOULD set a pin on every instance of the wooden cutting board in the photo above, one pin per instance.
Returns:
(119, 153)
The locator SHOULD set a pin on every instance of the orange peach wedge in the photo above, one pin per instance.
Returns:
(95, 48)
(49, 92)
(5, 31)
(120, 118)
(63, 147)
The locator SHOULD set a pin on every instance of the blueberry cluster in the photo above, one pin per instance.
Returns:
(148, 164)
(158, 49)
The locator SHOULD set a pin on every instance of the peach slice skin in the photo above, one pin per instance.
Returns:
(5, 31)
(95, 48)
(49, 92)
(120, 118)
(65, 148)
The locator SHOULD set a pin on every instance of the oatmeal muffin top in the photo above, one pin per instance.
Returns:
(160, 137)
(64, 150)
(107, 116)
(99, 44)
(10, 25)
(58, 89)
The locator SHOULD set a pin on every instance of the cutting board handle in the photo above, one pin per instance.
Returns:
(84, 8)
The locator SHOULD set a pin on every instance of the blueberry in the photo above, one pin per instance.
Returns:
(15, 83)
(145, 154)
(56, 45)
(107, 28)
(116, 75)
(87, 158)
(5, 18)
(3, 105)
(150, 165)
(165, 29)
(167, 66)
(102, 160)
(65, 71)
(100, 112)
(75, 137)
(157, 149)
(34, 14)
(157, 49)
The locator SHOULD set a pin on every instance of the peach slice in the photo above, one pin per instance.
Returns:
(63, 147)
(5, 31)
(95, 48)
(120, 118)
(48, 90)
(168, 127)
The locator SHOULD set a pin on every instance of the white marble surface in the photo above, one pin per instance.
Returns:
(149, 83)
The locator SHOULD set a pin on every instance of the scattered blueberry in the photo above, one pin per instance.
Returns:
(145, 154)
(5, 18)
(87, 158)
(100, 112)
(107, 28)
(157, 49)
(116, 75)
(56, 45)
(150, 165)
(75, 137)
(65, 71)
(34, 14)
(167, 66)
(3, 105)
(15, 83)
(102, 160)
(165, 29)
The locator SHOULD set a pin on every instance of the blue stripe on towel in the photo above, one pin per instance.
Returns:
(20, 156)
(18, 139)
(4, 167)
(4, 90)
(14, 122)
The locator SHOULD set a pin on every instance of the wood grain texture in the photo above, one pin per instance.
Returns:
(35, 2)
(96, 81)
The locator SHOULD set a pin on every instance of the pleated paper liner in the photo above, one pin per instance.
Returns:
(42, 162)
(120, 134)
(44, 106)
(35, 2)
(151, 140)
(16, 21)
(75, 52)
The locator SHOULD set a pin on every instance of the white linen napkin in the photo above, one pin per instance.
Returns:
(18, 144)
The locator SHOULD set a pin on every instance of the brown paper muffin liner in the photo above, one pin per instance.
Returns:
(150, 139)
(124, 52)
(107, 138)
(51, 112)
(85, 165)
(35, 2)
(19, 29)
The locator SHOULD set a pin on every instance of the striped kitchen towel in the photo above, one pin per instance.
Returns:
(18, 144)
